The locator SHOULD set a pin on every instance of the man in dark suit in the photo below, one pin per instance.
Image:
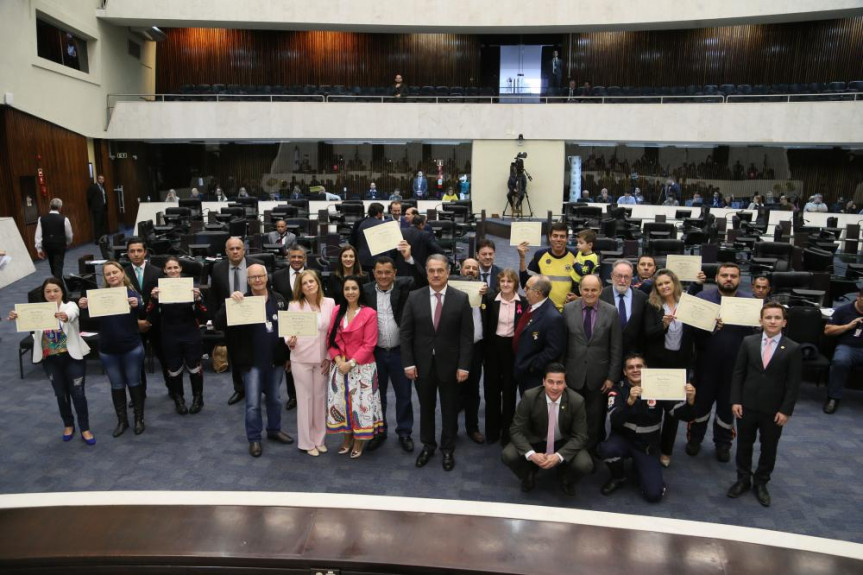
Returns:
(226, 277)
(630, 304)
(283, 282)
(375, 218)
(422, 241)
(556, 73)
(281, 236)
(144, 278)
(387, 295)
(540, 335)
(436, 337)
(97, 202)
(488, 272)
(764, 389)
(593, 353)
(549, 430)
(420, 187)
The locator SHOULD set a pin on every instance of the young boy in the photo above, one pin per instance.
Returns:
(586, 261)
(764, 389)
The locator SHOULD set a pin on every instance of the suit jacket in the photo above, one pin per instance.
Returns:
(590, 363)
(423, 244)
(542, 341)
(771, 389)
(363, 252)
(632, 335)
(493, 283)
(401, 289)
(420, 187)
(151, 280)
(220, 285)
(95, 201)
(492, 312)
(280, 282)
(358, 340)
(530, 424)
(273, 238)
(451, 345)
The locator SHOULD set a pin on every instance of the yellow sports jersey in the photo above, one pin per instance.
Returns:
(559, 270)
(584, 265)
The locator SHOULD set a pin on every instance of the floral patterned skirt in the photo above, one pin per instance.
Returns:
(354, 402)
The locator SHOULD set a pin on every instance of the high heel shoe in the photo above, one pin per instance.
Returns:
(322, 448)
(91, 441)
(346, 445)
(70, 435)
(357, 451)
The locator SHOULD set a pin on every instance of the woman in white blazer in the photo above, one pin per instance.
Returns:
(61, 352)
(310, 364)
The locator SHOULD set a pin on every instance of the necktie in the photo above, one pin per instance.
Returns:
(438, 309)
(139, 273)
(522, 323)
(485, 278)
(588, 323)
(552, 426)
(767, 353)
(621, 310)
(236, 279)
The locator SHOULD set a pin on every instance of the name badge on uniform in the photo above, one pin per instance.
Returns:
(651, 403)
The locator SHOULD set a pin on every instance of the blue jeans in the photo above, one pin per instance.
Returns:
(66, 375)
(845, 358)
(124, 368)
(389, 364)
(267, 380)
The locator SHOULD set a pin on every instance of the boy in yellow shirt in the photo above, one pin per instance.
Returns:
(586, 262)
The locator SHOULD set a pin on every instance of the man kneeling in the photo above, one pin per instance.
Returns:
(636, 426)
(549, 430)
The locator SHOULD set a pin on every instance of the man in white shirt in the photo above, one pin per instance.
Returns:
(816, 204)
(53, 234)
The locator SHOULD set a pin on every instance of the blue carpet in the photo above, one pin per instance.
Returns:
(815, 486)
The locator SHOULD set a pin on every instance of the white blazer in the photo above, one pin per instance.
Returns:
(77, 347)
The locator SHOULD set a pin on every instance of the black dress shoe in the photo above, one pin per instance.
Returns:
(292, 404)
(612, 485)
(476, 437)
(738, 489)
(723, 453)
(529, 481)
(424, 456)
(830, 406)
(762, 495)
(407, 443)
(448, 461)
(568, 488)
(692, 448)
(237, 397)
(255, 449)
(376, 442)
(281, 437)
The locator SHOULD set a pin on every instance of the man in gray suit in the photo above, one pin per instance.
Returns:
(281, 236)
(549, 430)
(593, 353)
(436, 336)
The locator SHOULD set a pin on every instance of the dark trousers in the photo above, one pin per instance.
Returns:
(595, 403)
(67, 378)
(572, 470)
(99, 228)
(389, 364)
(617, 448)
(751, 424)
(709, 390)
(56, 258)
(236, 374)
(468, 391)
(289, 384)
(498, 388)
(429, 387)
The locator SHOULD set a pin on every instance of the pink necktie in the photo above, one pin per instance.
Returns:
(437, 310)
(552, 425)
(767, 353)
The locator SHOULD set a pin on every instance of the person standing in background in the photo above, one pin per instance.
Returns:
(53, 234)
(556, 72)
(97, 202)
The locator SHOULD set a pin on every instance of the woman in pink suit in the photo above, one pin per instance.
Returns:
(353, 399)
(310, 364)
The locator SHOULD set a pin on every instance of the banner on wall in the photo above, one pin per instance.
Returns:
(574, 178)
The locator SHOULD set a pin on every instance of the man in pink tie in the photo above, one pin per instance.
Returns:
(764, 389)
(549, 431)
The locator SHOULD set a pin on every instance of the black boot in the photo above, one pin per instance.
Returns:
(197, 380)
(175, 384)
(118, 396)
(138, 398)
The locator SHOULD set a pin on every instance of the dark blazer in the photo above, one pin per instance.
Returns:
(240, 339)
(542, 341)
(398, 298)
(769, 390)
(451, 345)
(492, 312)
(632, 335)
(590, 363)
(423, 244)
(363, 252)
(95, 201)
(220, 285)
(280, 282)
(530, 424)
(151, 280)
(653, 345)
(495, 269)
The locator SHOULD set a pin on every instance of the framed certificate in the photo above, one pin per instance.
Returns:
(471, 288)
(685, 267)
(298, 323)
(530, 232)
(697, 312)
(383, 237)
(663, 384)
(176, 290)
(107, 301)
(741, 311)
(36, 316)
(251, 310)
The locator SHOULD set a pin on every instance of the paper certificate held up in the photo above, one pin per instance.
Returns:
(176, 290)
(741, 311)
(107, 301)
(663, 384)
(471, 289)
(383, 237)
(36, 316)
(251, 310)
(697, 312)
(685, 267)
(298, 323)
(530, 232)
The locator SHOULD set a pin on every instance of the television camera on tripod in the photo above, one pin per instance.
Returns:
(517, 186)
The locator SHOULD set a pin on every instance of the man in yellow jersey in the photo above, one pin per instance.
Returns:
(556, 262)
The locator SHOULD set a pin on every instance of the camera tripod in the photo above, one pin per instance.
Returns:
(520, 196)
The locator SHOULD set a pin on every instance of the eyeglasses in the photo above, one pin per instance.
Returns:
(257, 278)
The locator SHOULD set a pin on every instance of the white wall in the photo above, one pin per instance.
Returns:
(490, 172)
(458, 16)
(67, 97)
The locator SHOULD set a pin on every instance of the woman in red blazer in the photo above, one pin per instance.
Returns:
(353, 399)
